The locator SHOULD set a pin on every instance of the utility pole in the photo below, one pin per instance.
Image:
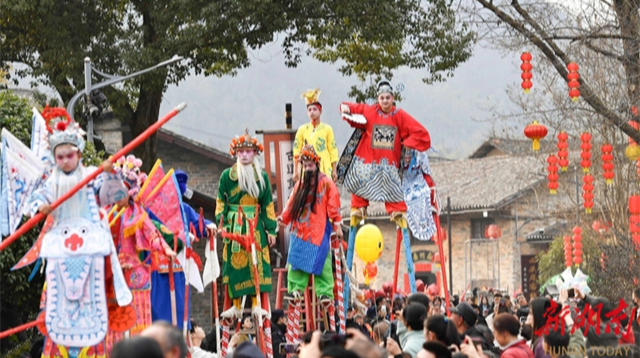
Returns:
(91, 110)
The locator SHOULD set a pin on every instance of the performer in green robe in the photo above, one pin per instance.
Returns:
(245, 185)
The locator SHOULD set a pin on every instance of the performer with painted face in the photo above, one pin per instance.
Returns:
(76, 245)
(317, 134)
(245, 185)
(313, 211)
(370, 166)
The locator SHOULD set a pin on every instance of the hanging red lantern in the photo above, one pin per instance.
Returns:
(492, 232)
(553, 174)
(535, 131)
(526, 68)
(573, 84)
(586, 152)
(567, 251)
(577, 251)
(607, 163)
(563, 154)
(634, 204)
(587, 193)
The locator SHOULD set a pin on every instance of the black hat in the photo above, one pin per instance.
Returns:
(467, 313)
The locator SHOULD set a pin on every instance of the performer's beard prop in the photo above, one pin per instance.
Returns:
(307, 188)
(247, 177)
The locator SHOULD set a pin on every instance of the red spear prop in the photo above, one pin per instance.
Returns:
(129, 147)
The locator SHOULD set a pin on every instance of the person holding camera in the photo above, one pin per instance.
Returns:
(411, 328)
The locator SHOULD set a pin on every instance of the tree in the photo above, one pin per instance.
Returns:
(603, 39)
(371, 38)
(19, 298)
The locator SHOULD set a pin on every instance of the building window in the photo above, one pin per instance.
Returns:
(478, 227)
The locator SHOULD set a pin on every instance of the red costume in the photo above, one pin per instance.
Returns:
(374, 170)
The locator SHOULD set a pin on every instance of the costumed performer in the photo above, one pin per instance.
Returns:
(317, 134)
(313, 210)
(245, 185)
(134, 232)
(75, 305)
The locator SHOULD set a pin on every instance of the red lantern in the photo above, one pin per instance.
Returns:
(563, 154)
(586, 152)
(526, 68)
(634, 204)
(419, 285)
(567, 251)
(492, 232)
(370, 271)
(573, 84)
(587, 195)
(607, 163)
(380, 293)
(553, 174)
(535, 131)
(577, 250)
(635, 125)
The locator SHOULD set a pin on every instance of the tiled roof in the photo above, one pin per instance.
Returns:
(475, 184)
(516, 147)
(188, 143)
(548, 233)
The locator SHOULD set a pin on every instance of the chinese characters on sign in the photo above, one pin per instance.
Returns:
(529, 276)
(286, 169)
(422, 255)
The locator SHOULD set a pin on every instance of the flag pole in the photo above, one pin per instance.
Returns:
(126, 149)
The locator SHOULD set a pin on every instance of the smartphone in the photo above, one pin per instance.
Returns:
(289, 348)
(383, 309)
(523, 319)
(572, 293)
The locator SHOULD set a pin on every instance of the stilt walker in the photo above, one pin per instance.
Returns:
(335, 246)
(313, 211)
(370, 165)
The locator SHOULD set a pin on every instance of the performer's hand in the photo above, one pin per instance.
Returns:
(334, 176)
(212, 231)
(339, 233)
(45, 209)
(107, 166)
(344, 108)
(296, 177)
(233, 341)
(169, 252)
(272, 240)
(280, 222)
(126, 265)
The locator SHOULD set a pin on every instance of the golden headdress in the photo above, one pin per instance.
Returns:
(311, 97)
(245, 141)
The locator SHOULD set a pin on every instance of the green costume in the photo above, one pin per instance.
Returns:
(237, 267)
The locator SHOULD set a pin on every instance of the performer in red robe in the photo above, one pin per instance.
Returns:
(373, 171)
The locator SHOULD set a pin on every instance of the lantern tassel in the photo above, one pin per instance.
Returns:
(536, 144)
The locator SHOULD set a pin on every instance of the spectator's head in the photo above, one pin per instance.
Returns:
(463, 315)
(522, 301)
(413, 316)
(247, 350)
(442, 329)
(555, 343)
(636, 297)
(434, 350)
(169, 337)
(505, 328)
(197, 333)
(496, 298)
(380, 331)
(247, 323)
(137, 347)
(358, 318)
(419, 297)
(279, 317)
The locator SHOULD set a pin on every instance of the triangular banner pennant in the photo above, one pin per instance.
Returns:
(211, 270)
(39, 141)
(164, 201)
(22, 172)
(153, 179)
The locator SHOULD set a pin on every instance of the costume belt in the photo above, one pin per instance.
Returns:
(232, 222)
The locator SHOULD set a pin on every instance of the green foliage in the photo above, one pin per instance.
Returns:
(611, 278)
(369, 38)
(16, 292)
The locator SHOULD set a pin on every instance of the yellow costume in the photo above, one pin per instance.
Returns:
(321, 137)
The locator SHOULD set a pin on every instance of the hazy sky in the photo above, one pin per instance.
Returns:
(219, 108)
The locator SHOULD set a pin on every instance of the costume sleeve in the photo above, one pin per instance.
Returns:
(299, 141)
(286, 213)
(168, 236)
(108, 187)
(333, 201)
(413, 134)
(193, 217)
(221, 200)
(356, 108)
(267, 211)
(331, 146)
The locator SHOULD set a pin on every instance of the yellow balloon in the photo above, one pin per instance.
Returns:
(369, 243)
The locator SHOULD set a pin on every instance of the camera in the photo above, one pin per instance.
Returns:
(289, 348)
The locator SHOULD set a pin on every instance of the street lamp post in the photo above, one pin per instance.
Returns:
(90, 109)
